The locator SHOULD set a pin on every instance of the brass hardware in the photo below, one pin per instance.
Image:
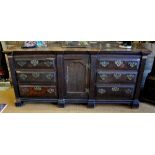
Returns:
(117, 75)
(118, 63)
(49, 63)
(50, 90)
(88, 66)
(132, 64)
(35, 75)
(86, 90)
(37, 88)
(25, 90)
(128, 91)
(23, 76)
(102, 75)
(101, 91)
(34, 62)
(21, 63)
(104, 63)
(50, 76)
(115, 89)
(130, 76)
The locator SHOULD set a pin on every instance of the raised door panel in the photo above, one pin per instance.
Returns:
(76, 76)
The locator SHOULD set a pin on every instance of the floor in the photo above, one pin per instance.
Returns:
(8, 97)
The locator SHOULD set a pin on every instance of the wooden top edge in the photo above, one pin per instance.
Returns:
(57, 49)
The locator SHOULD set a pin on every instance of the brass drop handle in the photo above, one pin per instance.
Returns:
(50, 76)
(102, 75)
(25, 90)
(115, 89)
(21, 63)
(117, 75)
(128, 91)
(36, 74)
(130, 76)
(34, 62)
(101, 91)
(104, 63)
(23, 76)
(118, 63)
(50, 90)
(132, 64)
(37, 88)
(49, 62)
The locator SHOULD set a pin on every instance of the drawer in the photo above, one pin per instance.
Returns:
(118, 63)
(115, 92)
(40, 91)
(35, 61)
(116, 77)
(36, 76)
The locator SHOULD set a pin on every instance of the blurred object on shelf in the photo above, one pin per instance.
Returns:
(41, 43)
(83, 43)
(29, 44)
(138, 44)
(109, 44)
(77, 44)
(126, 44)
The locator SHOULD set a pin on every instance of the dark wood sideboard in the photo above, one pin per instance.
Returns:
(90, 76)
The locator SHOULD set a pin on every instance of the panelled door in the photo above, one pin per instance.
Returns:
(76, 76)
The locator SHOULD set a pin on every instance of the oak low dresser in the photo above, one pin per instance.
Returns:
(91, 75)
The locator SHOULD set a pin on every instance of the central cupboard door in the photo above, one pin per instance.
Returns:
(76, 75)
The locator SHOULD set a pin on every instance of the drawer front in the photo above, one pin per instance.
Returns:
(116, 77)
(35, 62)
(115, 92)
(118, 63)
(39, 91)
(36, 77)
